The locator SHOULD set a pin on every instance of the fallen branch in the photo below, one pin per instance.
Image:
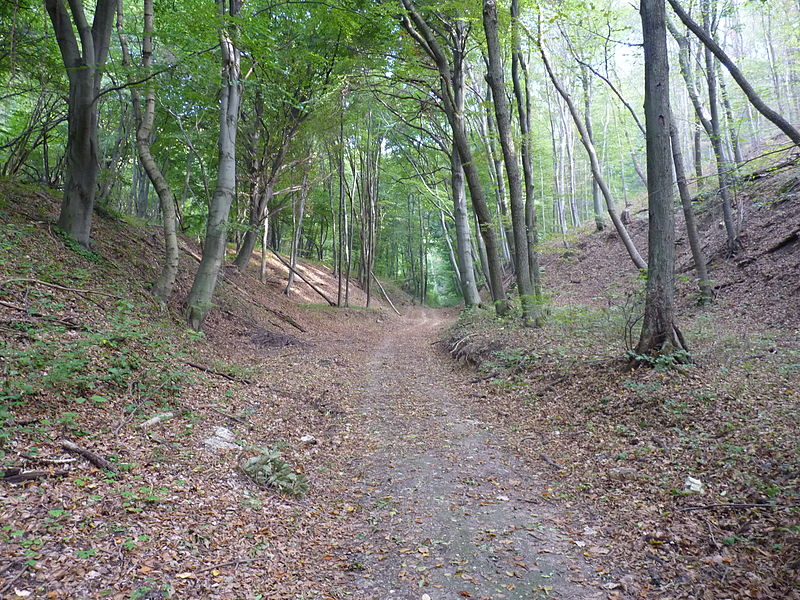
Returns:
(236, 563)
(300, 275)
(17, 475)
(228, 415)
(218, 373)
(385, 295)
(97, 460)
(788, 240)
(59, 287)
(550, 462)
(735, 505)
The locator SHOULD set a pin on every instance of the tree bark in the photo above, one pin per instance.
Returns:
(495, 78)
(658, 333)
(205, 281)
(84, 64)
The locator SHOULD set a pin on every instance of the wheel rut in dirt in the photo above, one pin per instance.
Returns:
(449, 512)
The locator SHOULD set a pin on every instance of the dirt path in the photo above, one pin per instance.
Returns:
(448, 512)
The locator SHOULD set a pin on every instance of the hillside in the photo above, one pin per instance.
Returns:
(620, 445)
(87, 356)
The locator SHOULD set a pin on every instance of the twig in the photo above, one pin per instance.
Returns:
(95, 459)
(218, 373)
(228, 415)
(59, 287)
(13, 580)
(232, 563)
(735, 505)
(550, 462)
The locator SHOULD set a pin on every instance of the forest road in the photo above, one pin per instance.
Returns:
(447, 511)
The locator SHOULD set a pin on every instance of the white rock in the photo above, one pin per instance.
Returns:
(308, 440)
(694, 486)
(222, 439)
(155, 420)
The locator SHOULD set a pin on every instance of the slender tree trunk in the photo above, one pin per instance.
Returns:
(264, 248)
(597, 202)
(502, 112)
(706, 291)
(697, 137)
(162, 289)
(469, 287)
(298, 228)
(205, 281)
(596, 169)
(658, 330)
(732, 133)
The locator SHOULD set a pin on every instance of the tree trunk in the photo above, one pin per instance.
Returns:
(659, 334)
(597, 203)
(84, 65)
(205, 281)
(469, 288)
(162, 289)
(298, 228)
(502, 113)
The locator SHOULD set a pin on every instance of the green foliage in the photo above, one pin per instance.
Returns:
(91, 365)
(269, 469)
(661, 361)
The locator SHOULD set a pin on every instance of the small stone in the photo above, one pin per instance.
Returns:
(308, 440)
(694, 486)
(221, 439)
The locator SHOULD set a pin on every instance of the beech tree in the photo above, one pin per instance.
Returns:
(84, 58)
(199, 300)
(659, 334)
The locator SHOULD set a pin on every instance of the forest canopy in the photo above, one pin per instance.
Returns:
(434, 144)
